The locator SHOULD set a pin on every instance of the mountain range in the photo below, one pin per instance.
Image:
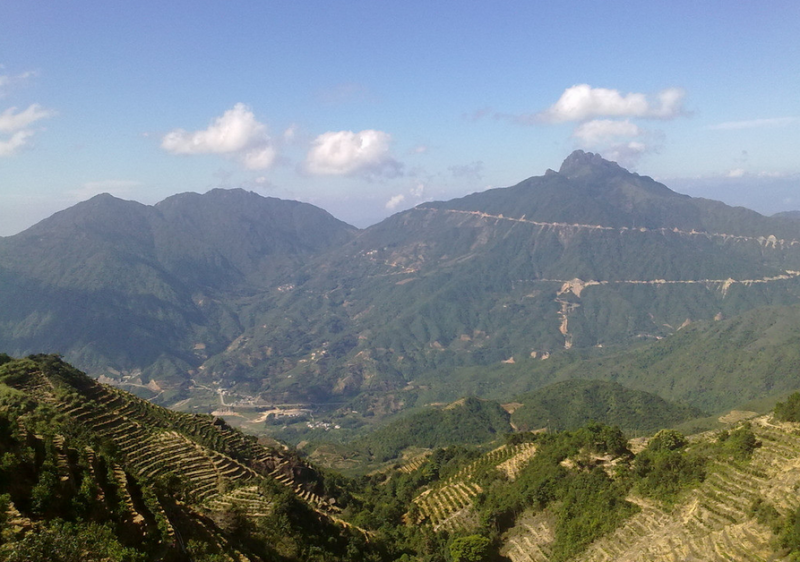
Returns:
(233, 296)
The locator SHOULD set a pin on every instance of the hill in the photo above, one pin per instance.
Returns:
(122, 288)
(573, 403)
(93, 473)
(467, 422)
(88, 469)
(566, 405)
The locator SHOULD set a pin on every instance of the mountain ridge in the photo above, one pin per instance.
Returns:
(300, 308)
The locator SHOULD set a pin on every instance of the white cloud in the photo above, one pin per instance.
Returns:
(582, 102)
(259, 158)
(599, 131)
(348, 153)
(17, 142)
(15, 123)
(236, 134)
(736, 173)
(418, 190)
(395, 201)
(620, 141)
(12, 120)
(755, 124)
(625, 154)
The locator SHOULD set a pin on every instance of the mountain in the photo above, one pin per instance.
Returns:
(117, 286)
(793, 215)
(231, 299)
(591, 255)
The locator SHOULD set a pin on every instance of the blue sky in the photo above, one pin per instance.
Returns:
(368, 108)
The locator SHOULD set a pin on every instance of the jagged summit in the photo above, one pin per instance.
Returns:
(581, 163)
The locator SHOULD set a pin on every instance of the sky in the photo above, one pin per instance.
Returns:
(369, 108)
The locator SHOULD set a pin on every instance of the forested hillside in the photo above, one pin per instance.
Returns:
(588, 256)
(230, 299)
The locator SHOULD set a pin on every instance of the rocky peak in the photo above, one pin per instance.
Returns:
(581, 163)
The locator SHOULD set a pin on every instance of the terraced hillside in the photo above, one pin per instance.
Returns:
(169, 484)
(717, 521)
(210, 457)
(448, 503)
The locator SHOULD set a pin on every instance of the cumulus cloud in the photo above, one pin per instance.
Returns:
(601, 130)
(236, 134)
(621, 141)
(290, 134)
(343, 153)
(582, 102)
(477, 115)
(755, 124)
(626, 154)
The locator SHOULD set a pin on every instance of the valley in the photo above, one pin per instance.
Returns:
(581, 367)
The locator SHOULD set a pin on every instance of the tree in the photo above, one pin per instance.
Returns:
(667, 440)
(473, 548)
(789, 410)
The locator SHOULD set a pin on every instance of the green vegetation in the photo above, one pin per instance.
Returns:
(789, 410)
(571, 404)
(281, 303)
(588, 503)
(664, 469)
(472, 548)
(110, 475)
(60, 541)
(739, 443)
(467, 422)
